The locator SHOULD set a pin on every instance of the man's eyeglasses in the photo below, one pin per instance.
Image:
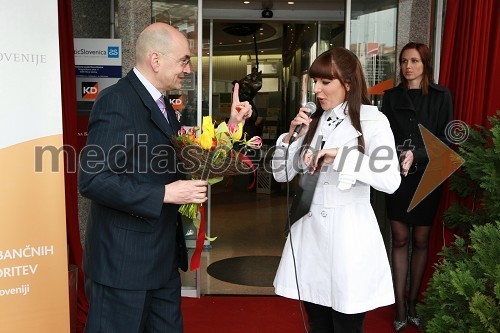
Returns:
(184, 62)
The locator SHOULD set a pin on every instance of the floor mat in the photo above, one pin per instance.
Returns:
(256, 271)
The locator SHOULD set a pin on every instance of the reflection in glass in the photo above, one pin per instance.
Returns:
(373, 40)
(182, 15)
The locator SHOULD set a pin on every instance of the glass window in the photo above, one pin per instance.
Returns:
(332, 34)
(184, 16)
(373, 40)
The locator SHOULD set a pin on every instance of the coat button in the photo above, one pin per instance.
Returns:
(310, 214)
(323, 213)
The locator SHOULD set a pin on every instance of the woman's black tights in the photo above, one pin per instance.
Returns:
(323, 319)
(420, 244)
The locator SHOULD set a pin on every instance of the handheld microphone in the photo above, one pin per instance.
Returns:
(312, 108)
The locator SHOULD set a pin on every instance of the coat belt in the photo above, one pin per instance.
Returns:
(330, 196)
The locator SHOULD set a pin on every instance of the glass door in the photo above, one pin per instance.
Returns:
(185, 16)
(372, 37)
(283, 53)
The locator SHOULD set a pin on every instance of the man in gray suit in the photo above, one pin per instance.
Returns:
(134, 242)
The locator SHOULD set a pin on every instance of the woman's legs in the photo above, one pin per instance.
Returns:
(323, 319)
(320, 318)
(419, 246)
(400, 237)
(348, 323)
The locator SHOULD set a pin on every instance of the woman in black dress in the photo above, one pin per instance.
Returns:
(417, 100)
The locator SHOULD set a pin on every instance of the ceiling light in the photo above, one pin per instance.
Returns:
(291, 2)
(246, 2)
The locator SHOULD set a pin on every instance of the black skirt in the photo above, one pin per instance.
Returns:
(422, 214)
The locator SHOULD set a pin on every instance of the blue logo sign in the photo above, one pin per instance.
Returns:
(113, 51)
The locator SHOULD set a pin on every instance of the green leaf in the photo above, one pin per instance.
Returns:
(211, 238)
(214, 180)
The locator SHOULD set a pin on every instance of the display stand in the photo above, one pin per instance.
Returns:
(265, 181)
(191, 280)
(192, 290)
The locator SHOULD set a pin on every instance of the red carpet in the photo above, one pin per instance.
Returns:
(262, 314)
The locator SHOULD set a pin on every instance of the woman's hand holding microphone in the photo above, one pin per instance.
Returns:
(298, 127)
(300, 124)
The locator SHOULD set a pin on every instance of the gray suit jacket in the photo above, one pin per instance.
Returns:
(133, 240)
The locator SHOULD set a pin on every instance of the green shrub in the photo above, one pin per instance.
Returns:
(478, 180)
(463, 295)
(464, 292)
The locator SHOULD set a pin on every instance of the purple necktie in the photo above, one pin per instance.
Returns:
(163, 108)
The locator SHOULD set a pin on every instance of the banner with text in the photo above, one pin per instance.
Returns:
(33, 247)
(98, 65)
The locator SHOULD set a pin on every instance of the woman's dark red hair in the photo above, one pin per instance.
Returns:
(425, 56)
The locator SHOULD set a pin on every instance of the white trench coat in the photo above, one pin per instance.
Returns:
(339, 251)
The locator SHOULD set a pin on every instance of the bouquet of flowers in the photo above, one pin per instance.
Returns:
(213, 154)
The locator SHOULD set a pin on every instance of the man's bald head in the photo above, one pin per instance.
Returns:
(156, 37)
(161, 55)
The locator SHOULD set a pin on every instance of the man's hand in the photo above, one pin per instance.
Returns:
(240, 111)
(186, 191)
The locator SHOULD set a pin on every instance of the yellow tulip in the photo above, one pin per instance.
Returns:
(206, 140)
(208, 126)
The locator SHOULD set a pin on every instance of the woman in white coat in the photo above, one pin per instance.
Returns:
(339, 265)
